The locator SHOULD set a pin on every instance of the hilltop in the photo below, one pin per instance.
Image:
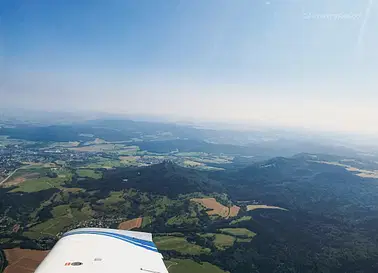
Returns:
(165, 178)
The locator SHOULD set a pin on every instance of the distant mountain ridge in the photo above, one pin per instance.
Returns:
(173, 137)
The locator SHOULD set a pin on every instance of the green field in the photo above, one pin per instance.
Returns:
(50, 227)
(210, 168)
(105, 163)
(239, 232)
(130, 160)
(179, 244)
(43, 183)
(5, 140)
(191, 154)
(207, 235)
(129, 150)
(59, 211)
(191, 163)
(216, 160)
(147, 220)
(253, 207)
(27, 170)
(32, 171)
(243, 240)
(180, 220)
(68, 144)
(113, 198)
(89, 173)
(63, 216)
(223, 240)
(189, 266)
(241, 219)
(85, 213)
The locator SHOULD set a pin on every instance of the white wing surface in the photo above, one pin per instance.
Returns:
(99, 250)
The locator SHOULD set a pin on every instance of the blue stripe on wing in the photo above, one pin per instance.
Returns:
(137, 242)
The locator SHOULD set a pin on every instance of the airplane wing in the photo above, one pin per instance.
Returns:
(100, 250)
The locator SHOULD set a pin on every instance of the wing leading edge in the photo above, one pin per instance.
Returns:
(95, 250)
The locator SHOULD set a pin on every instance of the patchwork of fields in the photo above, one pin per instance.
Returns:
(85, 196)
(23, 260)
(216, 208)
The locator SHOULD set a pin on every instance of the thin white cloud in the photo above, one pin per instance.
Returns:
(364, 23)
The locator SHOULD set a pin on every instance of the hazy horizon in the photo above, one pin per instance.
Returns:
(300, 64)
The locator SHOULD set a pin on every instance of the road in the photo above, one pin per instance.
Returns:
(9, 176)
(173, 263)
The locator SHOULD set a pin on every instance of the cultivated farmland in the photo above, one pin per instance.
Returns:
(216, 208)
(190, 266)
(23, 260)
(179, 244)
(131, 224)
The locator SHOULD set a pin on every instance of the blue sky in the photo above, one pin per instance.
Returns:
(301, 63)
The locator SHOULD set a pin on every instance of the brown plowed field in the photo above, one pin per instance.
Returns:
(234, 211)
(23, 260)
(217, 208)
(130, 224)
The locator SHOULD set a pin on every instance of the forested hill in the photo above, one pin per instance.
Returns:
(331, 219)
(165, 178)
(302, 184)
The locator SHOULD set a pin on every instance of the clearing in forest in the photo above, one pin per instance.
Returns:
(23, 260)
(131, 224)
(216, 208)
(179, 244)
(253, 207)
(89, 173)
(241, 219)
(220, 241)
(359, 172)
(223, 241)
(190, 266)
(238, 232)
